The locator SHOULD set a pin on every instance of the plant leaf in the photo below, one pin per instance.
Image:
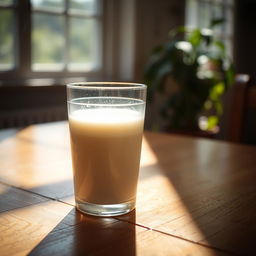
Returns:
(216, 91)
(230, 75)
(158, 59)
(175, 31)
(195, 37)
(161, 73)
(220, 45)
(212, 122)
(157, 49)
(216, 22)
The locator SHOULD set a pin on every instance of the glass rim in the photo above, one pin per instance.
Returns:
(107, 85)
(136, 102)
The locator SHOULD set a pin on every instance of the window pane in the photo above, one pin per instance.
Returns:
(191, 13)
(204, 15)
(6, 39)
(218, 11)
(48, 4)
(48, 44)
(230, 2)
(229, 46)
(229, 21)
(6, 2)
(87, 6)
(84, 41)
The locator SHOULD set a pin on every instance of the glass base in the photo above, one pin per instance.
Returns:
(105, 210)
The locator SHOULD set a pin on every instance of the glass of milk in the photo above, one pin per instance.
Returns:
(106, 122)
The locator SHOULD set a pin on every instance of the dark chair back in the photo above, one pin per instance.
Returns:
(242, 113)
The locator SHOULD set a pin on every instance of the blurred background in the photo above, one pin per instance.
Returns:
(203, 49)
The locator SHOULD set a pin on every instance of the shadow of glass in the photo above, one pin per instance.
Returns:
(79, 234)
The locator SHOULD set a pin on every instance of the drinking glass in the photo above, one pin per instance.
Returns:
(106, 122)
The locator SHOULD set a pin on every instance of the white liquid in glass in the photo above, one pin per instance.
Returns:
(106, 147)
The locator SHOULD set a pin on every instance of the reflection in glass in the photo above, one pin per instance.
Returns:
(6, 39)
(48, 44)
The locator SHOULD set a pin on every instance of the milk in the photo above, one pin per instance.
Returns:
(106, 146)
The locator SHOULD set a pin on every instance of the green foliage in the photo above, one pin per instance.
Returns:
(6, 37)
(194, 73)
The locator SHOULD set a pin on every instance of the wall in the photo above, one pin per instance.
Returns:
(154, 19)
(24, 105)
(137, 27)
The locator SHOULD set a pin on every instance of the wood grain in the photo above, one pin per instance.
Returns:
(22, 229)
(118, 238)
(193, 194)
(39, 162)
(201, 190)
(53, 228)
(12, 198)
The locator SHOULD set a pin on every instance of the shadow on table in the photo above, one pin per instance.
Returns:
(57, 190)
(207, 183)
(12, 198)
(76, 233)
(79, 234)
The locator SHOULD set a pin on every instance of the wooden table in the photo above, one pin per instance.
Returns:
(195, 197)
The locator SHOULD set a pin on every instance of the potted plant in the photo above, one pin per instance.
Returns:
(192, 73)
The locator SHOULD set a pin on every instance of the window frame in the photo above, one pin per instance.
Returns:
(22, 72)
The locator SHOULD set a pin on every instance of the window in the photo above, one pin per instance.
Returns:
(7, 35)
(199, 13)
(65, 35)
(50, 38)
